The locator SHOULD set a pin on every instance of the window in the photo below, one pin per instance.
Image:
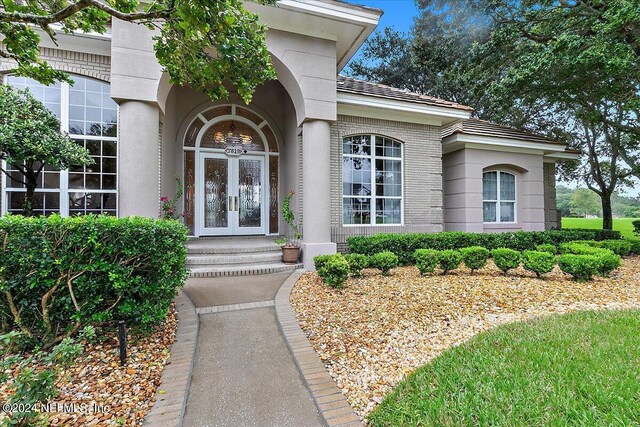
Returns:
(371, 180)
(499, 196)
(87, 112)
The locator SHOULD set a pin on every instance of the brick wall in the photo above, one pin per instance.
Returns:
(551, 214)
(422, 170)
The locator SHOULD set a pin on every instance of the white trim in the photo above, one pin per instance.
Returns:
(340, 11)
(459, 141)
(499, 200)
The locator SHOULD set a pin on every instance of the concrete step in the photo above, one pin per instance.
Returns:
(242, 269)
(231, 246)
(201, 260)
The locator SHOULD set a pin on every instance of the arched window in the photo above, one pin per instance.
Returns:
(499, 196)
(87, 112)
(371, 180)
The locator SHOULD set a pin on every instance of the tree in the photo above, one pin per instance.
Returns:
(584, 202)
(200, 43)
(30, 139)
(563, 200)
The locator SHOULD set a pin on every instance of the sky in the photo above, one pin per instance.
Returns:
(397, 13)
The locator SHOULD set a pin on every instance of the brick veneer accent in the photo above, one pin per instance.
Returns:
(331, 403)
(551, 215)
(169, 408)
(422, 174)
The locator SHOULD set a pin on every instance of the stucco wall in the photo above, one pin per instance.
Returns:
(462, 185)
(422, 170)
(551, 215)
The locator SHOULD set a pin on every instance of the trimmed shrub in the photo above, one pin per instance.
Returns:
(547, 247)
(334, 271)
(320, 260)
(538, 262)
(426, 260)
(384, 261)
(635, 246)
(449, 260)
(357, 262)
(475, 257)
(506, 259)
(619, 247)
(405, 245)
(636, 227)
(577, 248)
(608, 263)
(581, 267)
(61, 274)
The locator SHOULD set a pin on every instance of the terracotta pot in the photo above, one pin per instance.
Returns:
(290, 254)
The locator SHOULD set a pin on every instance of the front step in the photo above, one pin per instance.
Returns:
(228, 246)
(198, 260)
(242, 270)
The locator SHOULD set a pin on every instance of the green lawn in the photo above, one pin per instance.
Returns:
(579, 369)
(623, 225)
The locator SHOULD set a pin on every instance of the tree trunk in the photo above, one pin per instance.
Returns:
(27, 206)
(607, 212)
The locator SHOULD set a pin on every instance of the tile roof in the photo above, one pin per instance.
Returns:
(485, 128)
(360, 87)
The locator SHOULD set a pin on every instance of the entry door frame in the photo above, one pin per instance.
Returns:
(233, 224)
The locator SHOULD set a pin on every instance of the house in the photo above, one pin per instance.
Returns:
(362, 158)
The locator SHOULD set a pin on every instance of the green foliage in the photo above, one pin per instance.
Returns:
(426, 260)
(636, 227)
(579, 248)
(290, 219)
(334, 270)
(619, 247)
(199, 43)
(169, 207)
(85, 269)
(547, 247)
(384, 261)
(30, 139)
(506, 259)
(405, 245)
(581, 267)
(475, 257)
(357, 262)
(584, 202)
(635, 246)
(30, 386)
(608, 263)
(449, 260)
(320, 260)
(538, 262)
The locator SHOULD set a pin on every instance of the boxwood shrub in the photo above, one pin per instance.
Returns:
(635, 245)
(506, 259)
(581, 267)
(384, 261)
(619, 247)
(474, 257)
(547, 247)
(608, 263)
(59, 274)
(320, 260)
(357, 262)
(538, 262)
(426, 260)
(334, 270)
(405, 245)
(449, 260)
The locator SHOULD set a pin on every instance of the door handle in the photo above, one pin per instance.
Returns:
(230, 208)
(237, 204)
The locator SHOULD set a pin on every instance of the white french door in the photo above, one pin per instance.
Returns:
(232, 194)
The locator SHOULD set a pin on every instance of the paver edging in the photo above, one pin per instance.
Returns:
(332, 405)
(169, 407)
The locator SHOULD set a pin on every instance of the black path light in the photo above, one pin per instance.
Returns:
(122, 337)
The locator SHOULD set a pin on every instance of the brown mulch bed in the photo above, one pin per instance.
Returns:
(376, 330)
(96, 378)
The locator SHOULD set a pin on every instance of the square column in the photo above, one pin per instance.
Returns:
(139, 151)
(316, 213)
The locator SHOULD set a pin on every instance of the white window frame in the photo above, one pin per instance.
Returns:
(63, 190)
(499, 200)
(373, 196)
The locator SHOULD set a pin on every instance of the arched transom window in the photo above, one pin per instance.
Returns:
(499, 196)
(371, 180)
(87, 112)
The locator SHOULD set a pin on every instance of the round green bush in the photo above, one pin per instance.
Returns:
(449, 260)
(334, 270)
(619, 247)
(581, 267)
(635, 245)
(538, 262)
(357, 262)
(384, 261)
(475, 257)
(581, 248)
(506, 259)
(426, 260)
(547, 247)
(320, 260)
(608, 263)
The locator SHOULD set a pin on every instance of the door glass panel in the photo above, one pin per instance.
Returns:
(250, 189)
(216, 172)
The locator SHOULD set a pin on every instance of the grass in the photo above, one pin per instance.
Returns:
(578, 369)
(623, 225)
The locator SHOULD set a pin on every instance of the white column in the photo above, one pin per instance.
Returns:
(316, 191)
(138, 182)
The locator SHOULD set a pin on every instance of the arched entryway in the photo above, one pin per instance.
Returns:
(231, 173)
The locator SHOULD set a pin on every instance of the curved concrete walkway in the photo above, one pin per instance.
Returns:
(244, 373)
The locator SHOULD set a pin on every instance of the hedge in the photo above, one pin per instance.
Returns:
(404, 245)
(59, 274)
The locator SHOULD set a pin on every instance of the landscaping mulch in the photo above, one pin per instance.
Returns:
(97, 380)
(377, 329)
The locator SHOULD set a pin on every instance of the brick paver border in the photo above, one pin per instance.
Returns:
(331, 403)
(171, 397)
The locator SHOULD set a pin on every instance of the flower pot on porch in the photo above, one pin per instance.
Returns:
(290, 254)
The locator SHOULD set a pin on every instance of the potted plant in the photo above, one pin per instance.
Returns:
(291, 246)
